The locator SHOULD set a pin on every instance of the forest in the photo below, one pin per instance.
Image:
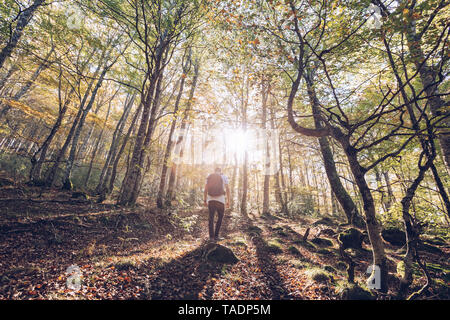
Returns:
(330, 120)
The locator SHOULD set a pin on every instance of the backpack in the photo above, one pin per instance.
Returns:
(214, 185)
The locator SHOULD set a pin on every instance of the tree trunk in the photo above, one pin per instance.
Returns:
(132, 180)
(244, 101)
(107, 166)
(85, 112)
(111, 175)
(373, 227)
(429, 78)
(390, 197)
(266, 163)
(341, 194)
(94, 152)
(22, 21)
(162, 183)
(179, 144)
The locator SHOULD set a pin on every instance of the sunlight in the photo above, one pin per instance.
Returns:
(237, 141)
(229, 146)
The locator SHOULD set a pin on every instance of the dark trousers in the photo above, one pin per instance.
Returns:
(214, 206)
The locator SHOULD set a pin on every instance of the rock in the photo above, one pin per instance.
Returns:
(351, 238)
(355, 292)
(394, 236)
(322, 242)
(218, 253)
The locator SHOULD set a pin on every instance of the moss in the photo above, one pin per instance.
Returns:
(274, 246)
(401, 269)
(355, 292)
(318, 275)
(218, 253)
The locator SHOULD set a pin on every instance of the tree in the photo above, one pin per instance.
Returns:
(23, 17)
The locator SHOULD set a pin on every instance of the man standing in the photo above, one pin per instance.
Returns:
(214, 199)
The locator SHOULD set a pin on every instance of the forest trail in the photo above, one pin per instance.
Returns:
(144, 253)
(147, 255)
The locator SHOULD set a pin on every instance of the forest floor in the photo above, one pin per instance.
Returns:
(146, 253)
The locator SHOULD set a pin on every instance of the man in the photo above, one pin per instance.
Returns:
(214, 199)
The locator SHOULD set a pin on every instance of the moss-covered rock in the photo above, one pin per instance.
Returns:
(217, 253)
(322, 242)
(355, 292)
(351, 238)
(394, 236)
(318, 275)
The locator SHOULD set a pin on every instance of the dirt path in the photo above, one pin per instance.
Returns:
(151, 254)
